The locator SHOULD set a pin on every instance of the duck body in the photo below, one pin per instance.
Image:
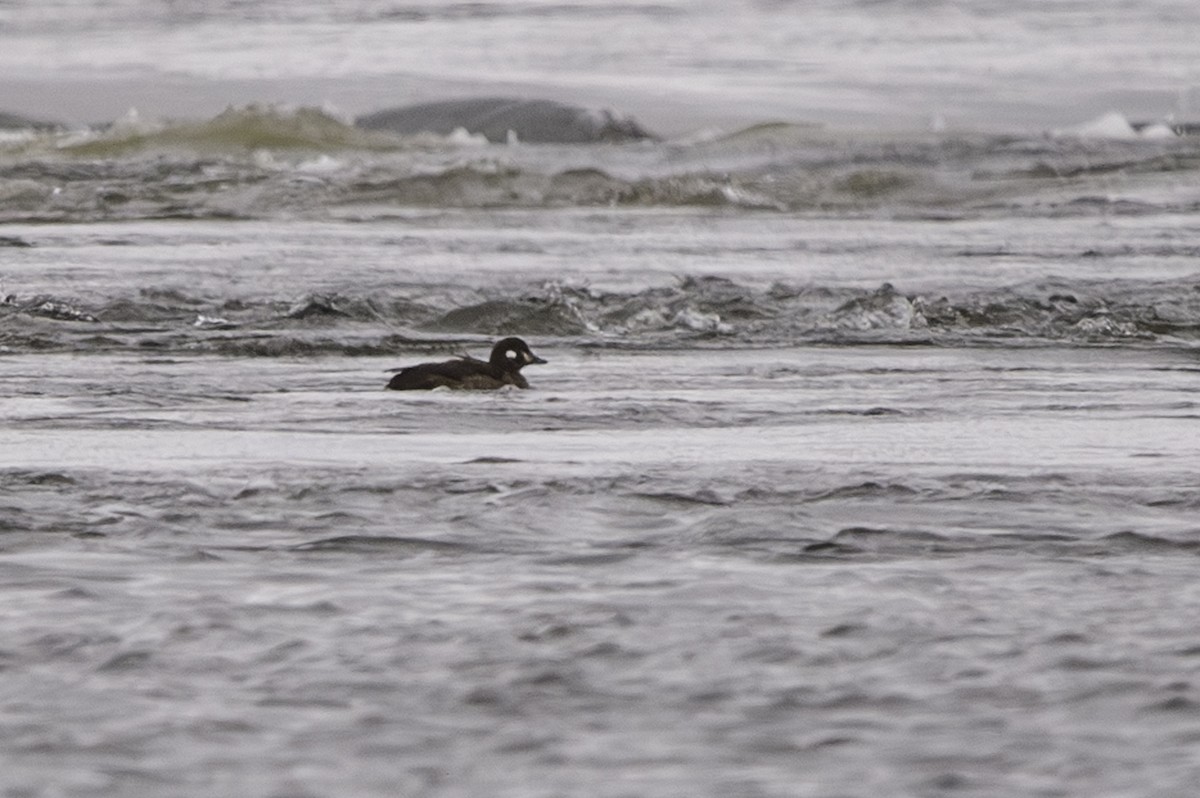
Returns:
(502, 368)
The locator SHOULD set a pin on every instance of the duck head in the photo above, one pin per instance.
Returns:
(513, 354)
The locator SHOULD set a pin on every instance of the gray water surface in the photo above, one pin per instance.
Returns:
(782, 571)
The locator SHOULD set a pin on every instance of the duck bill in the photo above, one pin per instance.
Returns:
(537, 361)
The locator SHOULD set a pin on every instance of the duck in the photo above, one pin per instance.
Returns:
(466, 373)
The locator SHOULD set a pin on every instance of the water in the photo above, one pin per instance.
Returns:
(863, 463)
(677, 63)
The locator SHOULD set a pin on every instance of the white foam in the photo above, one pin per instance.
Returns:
(462, 137)
(1114, 125)
(1159, 130)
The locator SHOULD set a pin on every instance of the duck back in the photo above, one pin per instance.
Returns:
(463, 374)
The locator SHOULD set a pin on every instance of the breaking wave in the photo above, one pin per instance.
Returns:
(263, 162)
(695, 309)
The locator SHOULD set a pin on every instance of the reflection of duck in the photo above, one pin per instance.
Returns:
(467, 373)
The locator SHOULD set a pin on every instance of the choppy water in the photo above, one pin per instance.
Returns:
(864, 462)
(761, 527)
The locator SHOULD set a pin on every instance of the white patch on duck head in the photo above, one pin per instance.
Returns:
(522, 357)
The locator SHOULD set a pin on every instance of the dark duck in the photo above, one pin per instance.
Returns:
(469, 374)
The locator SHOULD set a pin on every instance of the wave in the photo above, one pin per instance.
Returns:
(249, 129)
(713, 508)
(887, 542)
(694, 309)
(382, 545)
(504, 120)
(264, 162)
(19, 122)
